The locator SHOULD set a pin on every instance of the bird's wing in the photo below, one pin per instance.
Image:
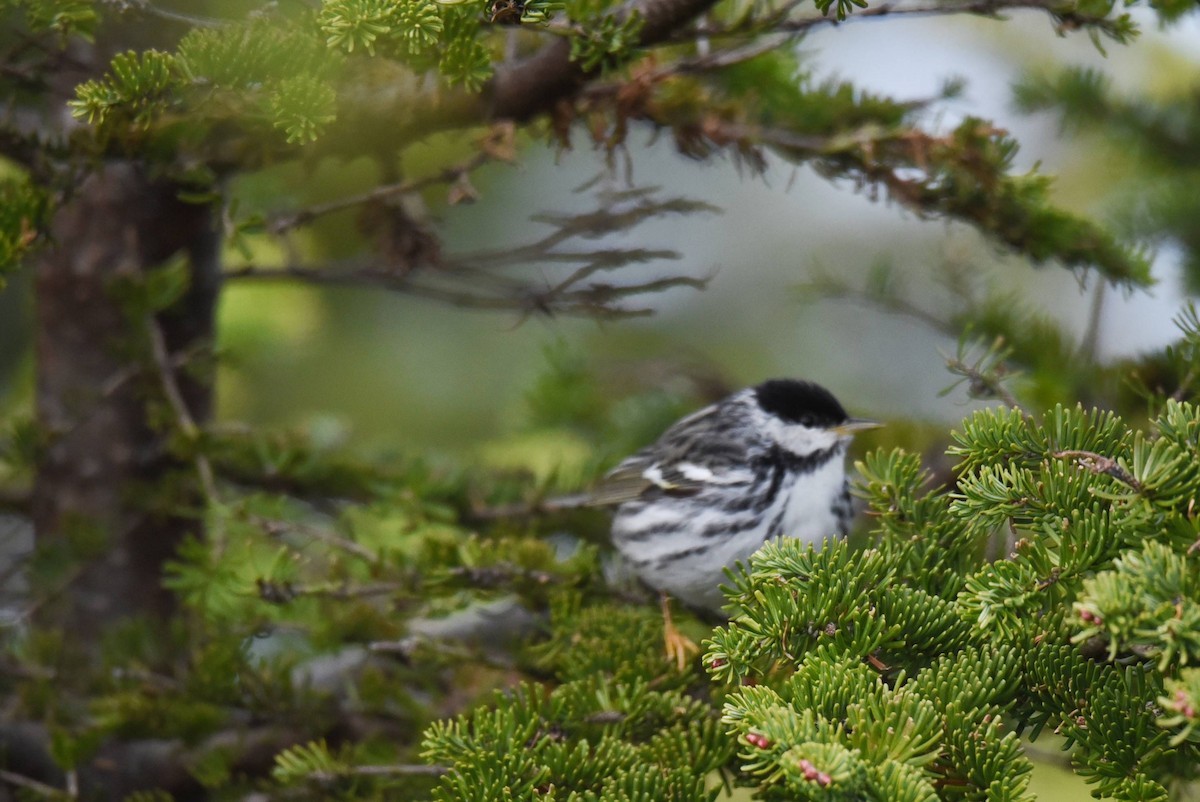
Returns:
(680, 463)
(623, 483)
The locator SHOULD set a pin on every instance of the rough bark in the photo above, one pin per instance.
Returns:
(91, 386)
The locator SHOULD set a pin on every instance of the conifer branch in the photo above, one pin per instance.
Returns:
(538, 83)
(517, 91)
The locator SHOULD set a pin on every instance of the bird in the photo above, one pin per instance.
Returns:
(763, 463)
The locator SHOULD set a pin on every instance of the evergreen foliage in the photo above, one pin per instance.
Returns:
(862, 675)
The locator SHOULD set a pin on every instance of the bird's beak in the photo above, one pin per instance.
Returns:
(856, 425)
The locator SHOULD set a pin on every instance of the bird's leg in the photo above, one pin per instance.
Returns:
(679, 647)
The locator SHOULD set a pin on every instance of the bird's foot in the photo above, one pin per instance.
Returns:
(680, 649)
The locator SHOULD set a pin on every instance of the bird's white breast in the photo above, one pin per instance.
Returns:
(808, 513)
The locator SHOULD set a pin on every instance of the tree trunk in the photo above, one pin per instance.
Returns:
(94, 377)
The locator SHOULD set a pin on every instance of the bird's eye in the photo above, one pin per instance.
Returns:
(807, 420)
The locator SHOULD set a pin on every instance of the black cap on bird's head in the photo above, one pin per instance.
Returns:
(807, 404)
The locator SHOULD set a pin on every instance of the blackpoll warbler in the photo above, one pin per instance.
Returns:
(763, 463)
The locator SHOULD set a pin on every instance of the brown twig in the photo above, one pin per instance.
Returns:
(21, 781)
(121, 377)
(529, 509)
(595, 300)
(491, 576)
(984, 385)
(183, 417)
(284, 223)
(406, 648)
(1100, 464)
(607, 219)
(474, 280)
(118, 379)
(1090, 341)
(827, 287)
(29, 611)
(276, 528)
(285, 592)
(148, 9)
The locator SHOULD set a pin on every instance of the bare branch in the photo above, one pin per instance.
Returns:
(1090, 341)
(284, 223)
(594, 300)
(183, 416)
(500, 575)
(21, 781)
(984, 383)
(407, 648)
(826, 286)
(147, 8)
(530, 509)
(276, 528)
(284, 592)
(604, 221)
(474, 280)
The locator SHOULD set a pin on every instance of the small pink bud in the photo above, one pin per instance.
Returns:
(824, 780)
(760, 741)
